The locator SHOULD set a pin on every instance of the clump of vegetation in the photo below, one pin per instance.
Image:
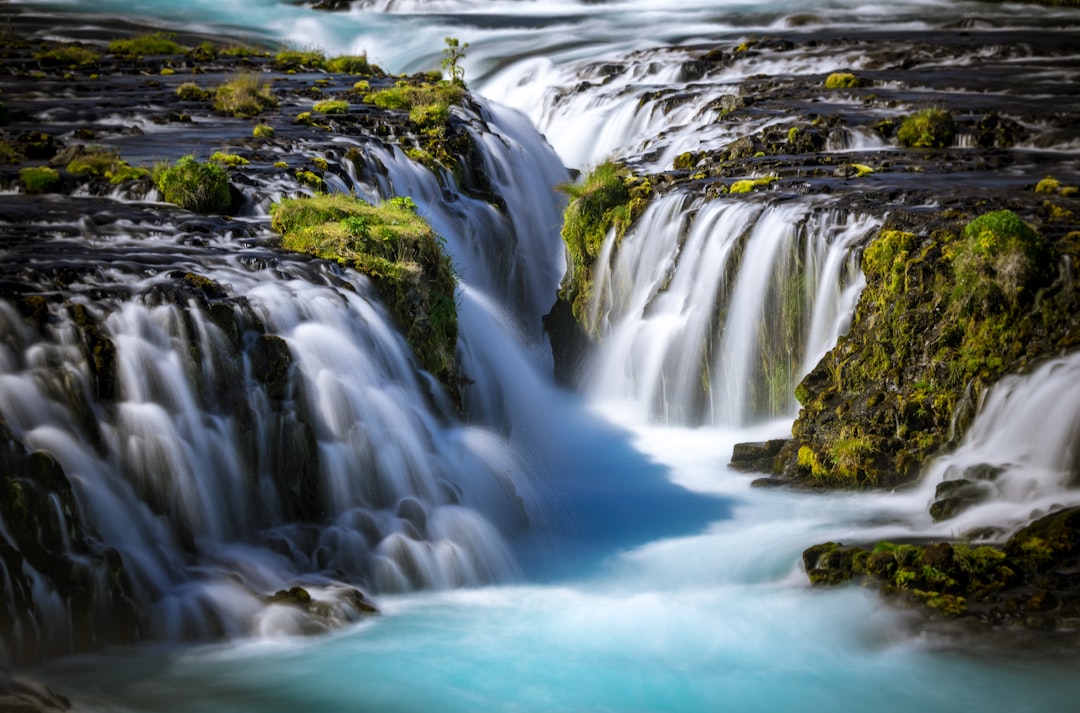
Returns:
(287, 60)
(404, 257)
(231, 160)
(331, 106)
(39, 179)
(1000, 261)
(243, 51)
(69, 55)
(609, 198)
(929, 128)
(10, 153)
(351, 64)
(685, 161)
(943, 316)
(203, 52)
(428, 104)
(843, 80)
(154, 43)
(748, 184)
(105, 162)
(190, 91)
(452, 56)
(1018, 584)
(198, 187)
(245, 95)
(263, 131)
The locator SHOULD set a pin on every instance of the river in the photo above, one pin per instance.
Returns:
(602, 556)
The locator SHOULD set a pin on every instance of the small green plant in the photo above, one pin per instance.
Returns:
(331, 106)
(228, 159)
(244, 95)
(320, 163)
(198, 187)
(39, 179)
(929, 128)
(362, 86)
(310, 178)
(263, 131)
(280, 165)
(155, 43)
(453, 55)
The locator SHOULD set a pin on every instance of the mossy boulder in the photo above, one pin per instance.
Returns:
(928, 128)
(1028, 582)
(402, 255)
(196, 186)
(947, 310)
(609, 198)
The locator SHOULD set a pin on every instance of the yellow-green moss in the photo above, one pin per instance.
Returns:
(68, 55)
(228, 159)
(155, 43)
(299, 59)
(399, 251)
(929, 128)
(842, 80)
(263, 131)
(609, 198)
(244, 95)
(199, 187)
(351, 64)
(39, 179)
(101, 161)
(748, 184)
(331, 106)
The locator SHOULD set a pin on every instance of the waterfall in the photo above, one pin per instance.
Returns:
(712, 311)
(235, 421)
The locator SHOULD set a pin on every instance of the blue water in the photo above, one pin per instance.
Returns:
(661, 581)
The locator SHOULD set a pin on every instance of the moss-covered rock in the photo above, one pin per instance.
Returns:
(1028, 582)
(928, 128)
(400, 252)
(947, 310)
(609, 198)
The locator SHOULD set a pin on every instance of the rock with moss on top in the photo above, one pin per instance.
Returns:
(399, 250)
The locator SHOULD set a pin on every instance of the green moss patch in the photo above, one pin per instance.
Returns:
(942, 317)
(39, 179)
(245, 95)
(198, 187)
(402, 255)
(1027, 582)
(929, 128)
(609, 197)
(154, 43)
(105, 162)
(843, 80)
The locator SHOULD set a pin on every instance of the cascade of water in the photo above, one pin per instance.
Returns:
(712, 310)
(1020, 453)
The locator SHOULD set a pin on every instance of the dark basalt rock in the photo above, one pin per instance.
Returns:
(756, 457)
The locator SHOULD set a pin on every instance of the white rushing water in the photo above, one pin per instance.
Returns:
(602, 555)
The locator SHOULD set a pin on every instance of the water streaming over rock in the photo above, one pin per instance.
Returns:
(187, 439)
(712, 311)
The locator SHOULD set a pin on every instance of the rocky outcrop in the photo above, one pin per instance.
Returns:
(1030, 582)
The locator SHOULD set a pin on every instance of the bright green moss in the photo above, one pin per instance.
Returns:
(842, 80)
(228, 159)
(101, 161)
(331, 106)
(299, 59)
(190, 91)
(399, 251)
(155, 43)
(244, 95)
(198, 187)
(39, 179)
(263, 131)
(72, 55)
(929, 128)
(748, 184)
(351, 64)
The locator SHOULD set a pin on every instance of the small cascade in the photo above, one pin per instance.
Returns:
(1020, 457)
(711, 311)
